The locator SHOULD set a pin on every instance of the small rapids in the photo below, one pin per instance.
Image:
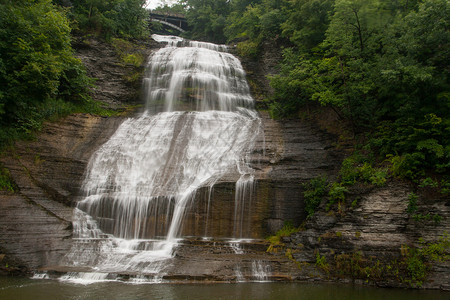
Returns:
(199, 126)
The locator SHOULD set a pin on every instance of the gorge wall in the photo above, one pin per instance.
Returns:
(366, 237)
(35, 221)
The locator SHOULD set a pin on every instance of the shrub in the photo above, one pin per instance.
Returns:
(378, 177)
(6, 183)
(359, 167)
(134, 59)
(321, 262)
(428, 182)
(408, 165)
(349, 172)
(313, 193)
(412, 204)
(336, 193)
(248, 49)
(275, 240)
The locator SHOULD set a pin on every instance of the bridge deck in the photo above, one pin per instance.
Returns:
(177, 22)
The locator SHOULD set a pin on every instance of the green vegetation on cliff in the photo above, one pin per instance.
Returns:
(126, 18)
(6, 184)
(410, 268)
(41, 78)
(381, 65)
(38, 71)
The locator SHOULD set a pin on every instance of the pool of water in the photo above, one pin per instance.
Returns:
(23, 288)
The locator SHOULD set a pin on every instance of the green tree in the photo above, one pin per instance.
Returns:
(244, 25)
(307, 22)
(259, 20)
(414, 98)
(131, 18)
(178, 8)
(111, 17)
(37, 65)
(207, 19)
(239, 6)
(383, 65)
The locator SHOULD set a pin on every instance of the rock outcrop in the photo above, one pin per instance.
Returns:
(35, 221)
(116, 83)
(374, 237)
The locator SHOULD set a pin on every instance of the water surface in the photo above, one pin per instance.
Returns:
(23, 288)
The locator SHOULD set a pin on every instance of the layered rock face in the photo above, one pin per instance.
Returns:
(116, 83)
(295, 152)
(374, 234)
(35, 222)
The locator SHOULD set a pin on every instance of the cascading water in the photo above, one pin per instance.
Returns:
(199, 127)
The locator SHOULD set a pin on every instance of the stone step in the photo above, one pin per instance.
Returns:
(57, 273)
(194, 259)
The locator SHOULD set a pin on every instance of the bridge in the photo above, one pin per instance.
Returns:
(177, 22)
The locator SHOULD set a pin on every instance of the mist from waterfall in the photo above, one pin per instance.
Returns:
(198, 127)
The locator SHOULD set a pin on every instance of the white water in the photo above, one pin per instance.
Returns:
(260, 271)
(199, 126)
(239, 276)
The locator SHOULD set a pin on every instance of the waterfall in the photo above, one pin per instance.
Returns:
(198, 128)
(260, 271)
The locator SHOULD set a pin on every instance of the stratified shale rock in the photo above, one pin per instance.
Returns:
(295, 151)
(36, 228)
(49, 172)
(35, 221)
(375, 233)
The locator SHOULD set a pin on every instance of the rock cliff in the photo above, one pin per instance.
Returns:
(373, 239)
(35, 222)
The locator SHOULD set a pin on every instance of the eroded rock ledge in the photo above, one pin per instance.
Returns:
(35, 222)
(369, 241)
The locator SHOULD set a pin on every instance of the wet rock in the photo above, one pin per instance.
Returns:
(377, 230)
(297, 150)
(35, 222)
(103, 63)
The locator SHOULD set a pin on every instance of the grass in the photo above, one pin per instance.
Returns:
(276, 240)
(6, 183)
(52, 110)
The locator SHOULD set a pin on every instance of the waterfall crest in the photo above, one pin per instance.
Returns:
(198, 128)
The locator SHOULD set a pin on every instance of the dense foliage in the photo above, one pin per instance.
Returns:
(382, 65)
(40, 77)
(111, 17)
(207, 19)
(37, 68)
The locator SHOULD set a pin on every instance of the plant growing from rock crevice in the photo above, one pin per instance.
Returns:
(276, 243)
